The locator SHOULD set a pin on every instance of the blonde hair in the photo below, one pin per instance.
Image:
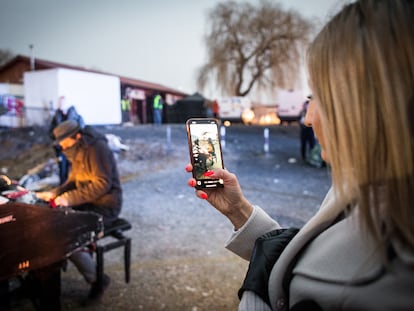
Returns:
(361, 68)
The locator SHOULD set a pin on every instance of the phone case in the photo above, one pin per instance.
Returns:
(205, 151)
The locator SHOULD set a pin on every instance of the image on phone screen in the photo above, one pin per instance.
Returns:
(205, 151)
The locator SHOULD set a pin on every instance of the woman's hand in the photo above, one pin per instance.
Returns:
(229, 200)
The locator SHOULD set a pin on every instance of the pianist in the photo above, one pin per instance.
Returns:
(93, 185)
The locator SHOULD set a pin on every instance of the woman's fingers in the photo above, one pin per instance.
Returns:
(202, 195)
(189, 168)
(192, 182)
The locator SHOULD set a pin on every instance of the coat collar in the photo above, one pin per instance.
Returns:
(330, 208)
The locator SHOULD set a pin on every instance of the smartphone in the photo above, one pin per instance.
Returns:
(205, 151)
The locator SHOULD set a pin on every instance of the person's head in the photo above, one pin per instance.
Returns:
(361, 71)
(67, 134)
(62, 104)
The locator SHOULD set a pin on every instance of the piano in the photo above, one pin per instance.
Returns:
(35, 240)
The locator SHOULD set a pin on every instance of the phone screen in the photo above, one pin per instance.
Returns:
(205, 151)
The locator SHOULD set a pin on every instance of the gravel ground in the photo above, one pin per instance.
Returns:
(178, 258)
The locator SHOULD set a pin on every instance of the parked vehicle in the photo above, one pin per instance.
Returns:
(232, 108)
(290, 105)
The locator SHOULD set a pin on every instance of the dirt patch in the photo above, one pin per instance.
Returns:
(23, 149)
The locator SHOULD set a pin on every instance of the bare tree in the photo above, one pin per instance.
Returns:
(5, 56)
(253, 47)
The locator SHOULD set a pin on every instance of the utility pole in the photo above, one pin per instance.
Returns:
(32, 59)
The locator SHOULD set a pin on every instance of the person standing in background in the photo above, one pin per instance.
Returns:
(307, 136)
(63, 112)
(126, 108)
(215, 109)
(157, 107)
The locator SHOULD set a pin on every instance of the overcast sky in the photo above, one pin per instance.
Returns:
(159, 41)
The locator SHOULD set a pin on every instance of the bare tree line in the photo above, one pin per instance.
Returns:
(253, 47)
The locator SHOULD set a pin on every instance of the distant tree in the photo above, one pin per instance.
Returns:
(253, 47)
(5, 56)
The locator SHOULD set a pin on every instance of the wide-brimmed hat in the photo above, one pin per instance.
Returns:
(65, 129)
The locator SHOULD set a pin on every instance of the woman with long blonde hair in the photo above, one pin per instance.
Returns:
(357, 252)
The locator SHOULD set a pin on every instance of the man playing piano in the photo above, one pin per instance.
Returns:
(93, 185)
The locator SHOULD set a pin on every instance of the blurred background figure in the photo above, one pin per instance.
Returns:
(63, 112)
(307, 136)
(126, 108)
(158, 106)
(216, 109)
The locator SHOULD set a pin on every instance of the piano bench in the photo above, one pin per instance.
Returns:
(116, 230)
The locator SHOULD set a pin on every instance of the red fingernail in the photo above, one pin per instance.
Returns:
(204, 196)
(192, 183)
(52, 203)
(188, 168)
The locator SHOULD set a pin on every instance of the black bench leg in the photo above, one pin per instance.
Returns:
(127, 259)
(99, 264)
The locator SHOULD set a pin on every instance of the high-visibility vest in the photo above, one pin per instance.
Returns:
(158, 102)
(125, 105)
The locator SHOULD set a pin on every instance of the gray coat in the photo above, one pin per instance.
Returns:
(340, 268)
